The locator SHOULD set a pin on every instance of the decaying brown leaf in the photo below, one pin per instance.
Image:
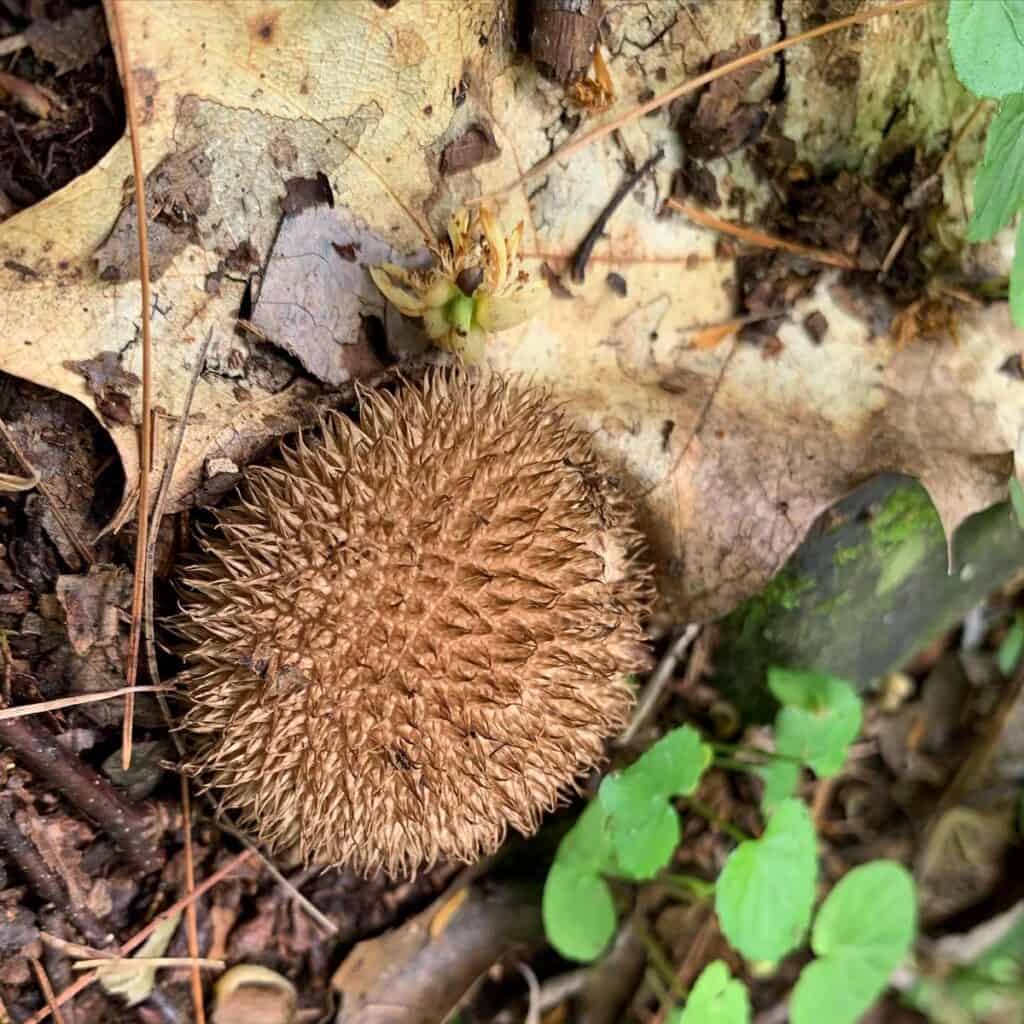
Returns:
(731, 455)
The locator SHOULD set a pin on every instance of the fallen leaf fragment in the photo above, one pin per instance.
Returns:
(132, 978)
(68, 43)
(249, 994)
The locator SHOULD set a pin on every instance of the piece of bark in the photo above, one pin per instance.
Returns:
(417, 974)
(564, 37)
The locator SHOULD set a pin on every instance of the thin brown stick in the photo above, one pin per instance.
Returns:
(47, 989)
(823, 790)
(691, 85)
(5, 650)
(304, 902)
(75, 949)
(895, 249)
(158, 513)
(191, 928)
(760, 238)
(146, 428)
(55, 507)
(656, 683)
(695, 956)
(42, 706)
(140, 936)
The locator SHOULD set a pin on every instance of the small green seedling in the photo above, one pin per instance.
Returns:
(717, 998)
(986, 40)
(765, 893)
(863, 931)
(765, 896)
(629, 831)
(819, 719)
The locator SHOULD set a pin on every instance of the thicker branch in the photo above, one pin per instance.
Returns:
(133, 827)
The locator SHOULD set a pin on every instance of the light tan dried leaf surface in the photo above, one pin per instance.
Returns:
(733, 454)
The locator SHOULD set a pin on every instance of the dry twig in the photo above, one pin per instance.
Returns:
(145, 439)
(42, 706)
(140, 936)
(657, 682)
(132, 827)
(47, 989)
(191, 927)
(760, 238)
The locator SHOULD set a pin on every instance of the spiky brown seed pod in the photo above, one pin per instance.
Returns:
(415, 633)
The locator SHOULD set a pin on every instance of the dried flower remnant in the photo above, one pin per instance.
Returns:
(416, 633)
(476, 288)
(597, 94)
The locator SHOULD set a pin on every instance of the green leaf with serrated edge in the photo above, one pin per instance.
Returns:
(578, 911)
(766, 890)
(1017, 500)
(863, 931)
(999, 185)
(986, 40)
(716, 998)
(820, 718)
(644, 827)
(1017, 278)
(780, 781)
(1008, 655)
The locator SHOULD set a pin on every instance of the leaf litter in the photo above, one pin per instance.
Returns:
(631, 376)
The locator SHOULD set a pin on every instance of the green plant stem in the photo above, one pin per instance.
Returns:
(726, 826)
(663, 970)
(660, 990)
(764, 755)
(690, 884)
(732, 765)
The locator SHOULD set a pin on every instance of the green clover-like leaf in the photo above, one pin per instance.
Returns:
(578, 911)
(986, 39)
(863, 931)
(716, 998)
(820, 717)
(765, 893)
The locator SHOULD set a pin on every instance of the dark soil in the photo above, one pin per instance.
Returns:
(38, 156)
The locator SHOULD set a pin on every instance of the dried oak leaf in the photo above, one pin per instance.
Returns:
(734, 455)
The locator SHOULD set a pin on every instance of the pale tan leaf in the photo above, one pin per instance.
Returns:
(731, 454)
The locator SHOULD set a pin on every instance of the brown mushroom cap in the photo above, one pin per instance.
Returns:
(416, 632)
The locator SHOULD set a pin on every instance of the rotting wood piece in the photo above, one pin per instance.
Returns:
(564, 37)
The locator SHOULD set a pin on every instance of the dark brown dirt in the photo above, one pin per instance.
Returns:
(38, 156)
